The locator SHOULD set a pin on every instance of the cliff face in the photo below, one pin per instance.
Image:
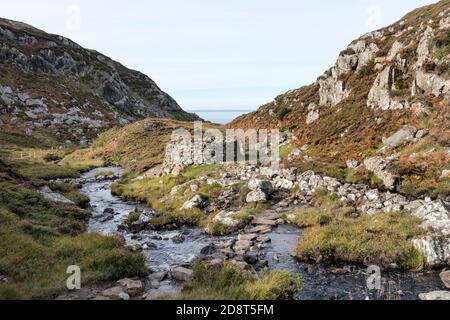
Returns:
(385, 79)
(53, 86)
(381, 113)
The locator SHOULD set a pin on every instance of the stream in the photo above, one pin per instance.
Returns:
(162, 251)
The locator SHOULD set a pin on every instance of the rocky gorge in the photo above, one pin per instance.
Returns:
(92, 176)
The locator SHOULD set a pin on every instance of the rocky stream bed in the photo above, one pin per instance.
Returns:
(267, 243)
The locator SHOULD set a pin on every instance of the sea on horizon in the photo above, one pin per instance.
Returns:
(220, 116)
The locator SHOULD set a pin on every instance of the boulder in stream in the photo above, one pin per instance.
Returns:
(180, 273)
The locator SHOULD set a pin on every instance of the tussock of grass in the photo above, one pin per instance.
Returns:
(326, 208)
(155, 193)
(72, 193)
(285, 150)
(228, 282)
(380, 239)
(185, 217)
(82, 165)
(104, 174)
(207, 170)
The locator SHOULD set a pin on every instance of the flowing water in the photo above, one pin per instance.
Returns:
(163, 250)
(345, 282)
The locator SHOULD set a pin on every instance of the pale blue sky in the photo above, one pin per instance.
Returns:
(216, 54)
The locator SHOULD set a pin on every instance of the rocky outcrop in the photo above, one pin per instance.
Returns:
(445, 277)
(379, 95)
(78, 88)
(48, 194)
(197, 201)
(434, 215)
(256, 196)
(435, 248)
(332, 91)
(378, 166)
(180, 273)
(313, 114)
(357, 55)
(431, 84)
(401, 137)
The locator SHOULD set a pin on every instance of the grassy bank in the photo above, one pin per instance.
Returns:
(156, 193)
(334, 235)
(39, 239)
(228, 282)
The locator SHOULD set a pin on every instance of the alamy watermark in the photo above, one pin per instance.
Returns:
(232, 145)
(74, 280)
(373, 281)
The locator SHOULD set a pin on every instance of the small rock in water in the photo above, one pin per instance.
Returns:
(136, 237)
(435, 295)
(116, 293)
(148, 245)
(445, 277)
(154, 284)
(180, 273)
(179, 238)
(283, 204)
(208, 250)
(263, 263)
(158, 276)
(132, 287)
(134, 247)
(248, 236)
(108, 211)
(251, 257)
(275, 258)
(263, 239)
(337, 271)
(266, 222)
(106, 218)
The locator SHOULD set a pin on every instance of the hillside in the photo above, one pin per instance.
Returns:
(364, 178)
(387, 79)
(56, 91)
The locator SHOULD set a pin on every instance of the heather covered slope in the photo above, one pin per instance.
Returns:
(53, 87)
(387, 79)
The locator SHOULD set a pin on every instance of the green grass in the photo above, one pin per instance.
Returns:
(81, 165)
(228, 282)
(185, 217)
(155, 193)
(326, 209)
(39, 239)
(417, 186)
(146, 190)
(383, 239)
(72, 193)
(36, 268)
(206, 170)
(104, 174)
(285, 150)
